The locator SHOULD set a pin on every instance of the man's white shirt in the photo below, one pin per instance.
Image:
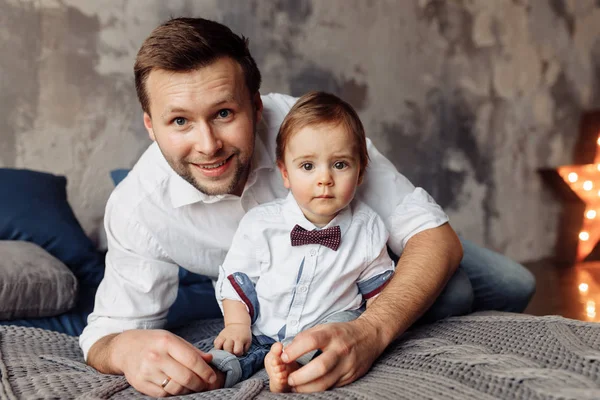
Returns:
(156, 221)
(291, 288)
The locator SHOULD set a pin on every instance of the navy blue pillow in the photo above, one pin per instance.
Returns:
(195, 295)
(117, 175)
(34, 208)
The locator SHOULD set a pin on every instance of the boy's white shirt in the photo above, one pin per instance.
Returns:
(155, 221)
(298, 286)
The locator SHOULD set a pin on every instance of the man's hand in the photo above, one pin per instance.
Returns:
(148, 357)
(349, 349)
(234, 338)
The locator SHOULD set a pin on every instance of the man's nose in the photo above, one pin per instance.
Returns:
(206, 140)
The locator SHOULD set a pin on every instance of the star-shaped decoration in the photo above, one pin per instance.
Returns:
(580, 222)
(584, 180)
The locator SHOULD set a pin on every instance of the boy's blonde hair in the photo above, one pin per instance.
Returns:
(320, 108)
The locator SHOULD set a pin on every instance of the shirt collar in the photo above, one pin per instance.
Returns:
(294, 215)
(182, 193)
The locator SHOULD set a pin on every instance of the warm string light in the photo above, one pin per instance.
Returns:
(590, 308)
(588, 293)
(573, 177)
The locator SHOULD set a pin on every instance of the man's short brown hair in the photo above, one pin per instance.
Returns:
(320, 108)
(186, 44)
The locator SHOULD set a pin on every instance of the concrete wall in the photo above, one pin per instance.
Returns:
(468, 98)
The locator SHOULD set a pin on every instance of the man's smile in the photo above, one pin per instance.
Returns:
(214, 169)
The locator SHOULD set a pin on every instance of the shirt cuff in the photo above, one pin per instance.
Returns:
(224, 290)
(417, 213)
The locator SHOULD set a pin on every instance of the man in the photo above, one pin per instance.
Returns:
(213, 159)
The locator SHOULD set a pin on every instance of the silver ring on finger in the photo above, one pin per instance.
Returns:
(165, 382)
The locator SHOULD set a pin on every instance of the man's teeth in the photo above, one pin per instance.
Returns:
(214, 165)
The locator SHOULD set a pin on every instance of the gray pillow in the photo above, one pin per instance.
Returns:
(33, 283)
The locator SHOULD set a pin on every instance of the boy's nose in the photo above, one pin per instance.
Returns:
(325, 179)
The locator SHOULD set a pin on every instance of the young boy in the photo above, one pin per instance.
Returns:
(311, 258)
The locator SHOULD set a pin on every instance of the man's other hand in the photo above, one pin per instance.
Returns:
(348, 351)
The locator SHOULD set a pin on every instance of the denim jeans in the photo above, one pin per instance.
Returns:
(485, 280)
(239, 369)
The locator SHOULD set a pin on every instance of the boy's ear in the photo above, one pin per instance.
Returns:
(148, 125)
(284, 174)
(360, 178)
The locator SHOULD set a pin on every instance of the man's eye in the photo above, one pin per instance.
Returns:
(339, 165)
(180, 121)
(224, 113)
(307, 166)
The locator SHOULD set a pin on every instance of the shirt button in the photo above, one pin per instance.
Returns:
(302, 289)
(293, 323)
(313, 252)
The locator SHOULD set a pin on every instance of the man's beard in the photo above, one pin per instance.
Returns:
(184, 169)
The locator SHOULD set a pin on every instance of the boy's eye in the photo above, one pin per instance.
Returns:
(339, 165)
(307, 166)
(224, 113)
(180, 121)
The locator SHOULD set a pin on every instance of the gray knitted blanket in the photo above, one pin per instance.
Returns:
(481, 357)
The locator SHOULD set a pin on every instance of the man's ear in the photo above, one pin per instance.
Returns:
(148, 125)
(258, 107)
(284, 174)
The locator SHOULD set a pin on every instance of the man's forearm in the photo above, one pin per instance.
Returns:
(427, 263)
(99, 355)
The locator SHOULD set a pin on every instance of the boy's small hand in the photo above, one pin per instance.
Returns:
(234, 338)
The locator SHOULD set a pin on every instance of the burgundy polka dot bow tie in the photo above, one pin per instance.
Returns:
(329, 237)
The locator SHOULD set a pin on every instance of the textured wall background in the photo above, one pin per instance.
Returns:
(468, 98)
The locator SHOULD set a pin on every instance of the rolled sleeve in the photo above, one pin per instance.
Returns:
(379, 267)
(139, 286)
(405, 209)
(241, 259)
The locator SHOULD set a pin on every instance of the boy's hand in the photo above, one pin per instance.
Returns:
(234, 338)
